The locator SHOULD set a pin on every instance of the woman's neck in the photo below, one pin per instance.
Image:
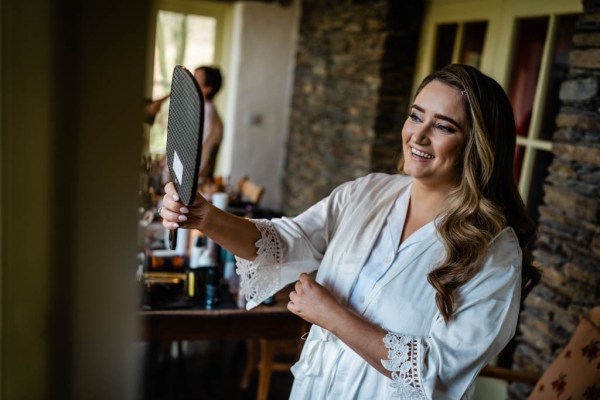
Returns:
(428, 200)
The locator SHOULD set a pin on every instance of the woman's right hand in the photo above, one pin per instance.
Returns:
(236, 234)
(177, 215)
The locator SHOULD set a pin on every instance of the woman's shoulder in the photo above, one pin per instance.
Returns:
(504, 249)
(502, 267)
(380, 180)
(376, 185)
(373, 188)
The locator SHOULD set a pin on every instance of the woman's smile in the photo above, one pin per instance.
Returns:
(421, 154)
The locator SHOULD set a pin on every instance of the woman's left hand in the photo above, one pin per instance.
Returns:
(316, 304)
(313, 302)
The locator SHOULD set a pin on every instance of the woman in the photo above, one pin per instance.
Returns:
(420, 275)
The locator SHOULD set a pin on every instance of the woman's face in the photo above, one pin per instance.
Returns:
(434, 134)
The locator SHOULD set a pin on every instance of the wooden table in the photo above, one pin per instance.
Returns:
(258, 327)
(269, 322)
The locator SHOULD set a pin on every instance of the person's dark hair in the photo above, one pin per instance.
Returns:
(485, 198)
(212, 78)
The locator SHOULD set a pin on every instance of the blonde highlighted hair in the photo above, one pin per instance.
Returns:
(485, 198)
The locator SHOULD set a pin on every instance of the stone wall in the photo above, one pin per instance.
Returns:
(352, 87)
(568, 247)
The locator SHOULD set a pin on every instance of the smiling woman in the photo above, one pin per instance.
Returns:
(476, 138)
(420, 275)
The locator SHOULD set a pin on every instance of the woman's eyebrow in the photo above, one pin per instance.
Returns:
(439, 116)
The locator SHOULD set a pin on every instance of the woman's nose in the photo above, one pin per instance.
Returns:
(421, 134)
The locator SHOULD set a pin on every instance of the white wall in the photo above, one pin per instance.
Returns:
(260, 86)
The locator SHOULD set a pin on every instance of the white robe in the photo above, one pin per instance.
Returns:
(430, 358)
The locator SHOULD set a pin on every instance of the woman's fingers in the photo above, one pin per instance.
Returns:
(170, 190)
(170, 218)
(293, 303)
(305, 279)
(172, 211)
(175, 214)
(298, 286)
(170, 203)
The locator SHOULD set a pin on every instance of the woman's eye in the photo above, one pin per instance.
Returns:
(414, 117)
(447, 129)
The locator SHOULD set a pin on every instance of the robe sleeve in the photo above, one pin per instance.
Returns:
(446, 362)
(290, 246)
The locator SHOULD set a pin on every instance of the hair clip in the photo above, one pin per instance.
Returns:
(463, 92)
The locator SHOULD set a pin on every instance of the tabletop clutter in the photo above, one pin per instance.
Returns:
(198, 273)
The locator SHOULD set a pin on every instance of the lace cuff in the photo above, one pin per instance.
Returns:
(259, 279)
(404, 363)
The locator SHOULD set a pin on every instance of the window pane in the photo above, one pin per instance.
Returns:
(446, 34)
(560, 68)
(472, 43)
(536, 190)
(200, 43)
(527, 56)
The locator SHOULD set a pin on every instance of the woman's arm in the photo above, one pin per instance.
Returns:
(234, 233)
(316, 304)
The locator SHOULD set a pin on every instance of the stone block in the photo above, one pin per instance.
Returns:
(587, 39)
(566, 320)
(547, 213)
(589, 154)
(553, 278)
(548, 250)
(576, 272)
(563, 169)
(560, 290)
(579, 90)
(580, 254)
(584, 121)
(573, 205)
(539, 305)
(588, 59)
(595, 246)
(546, 259)
(591, 177)
(590, 18)
(535, 331)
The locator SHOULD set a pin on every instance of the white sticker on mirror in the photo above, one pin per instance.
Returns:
(178, 168)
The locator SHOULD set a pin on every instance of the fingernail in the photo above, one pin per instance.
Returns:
(176, 197)
(184, 210)
(175, 225)
(182, 218)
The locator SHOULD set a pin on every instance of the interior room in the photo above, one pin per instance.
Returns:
(315, 93)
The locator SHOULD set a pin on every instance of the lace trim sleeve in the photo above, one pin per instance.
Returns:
(259, 279)
(404, 364)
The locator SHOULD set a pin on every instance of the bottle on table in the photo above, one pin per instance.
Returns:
(209, 273)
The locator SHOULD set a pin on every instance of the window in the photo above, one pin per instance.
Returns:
(460, 43)
(540, 63)
(181, 39)
(188, 34)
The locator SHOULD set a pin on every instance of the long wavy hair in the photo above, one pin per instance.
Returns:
(485, 198)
